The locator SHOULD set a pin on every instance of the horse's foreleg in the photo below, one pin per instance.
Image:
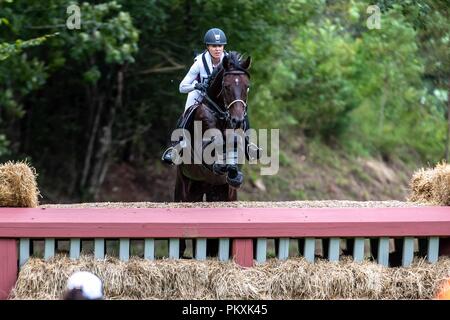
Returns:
(235, 178)
(180, 192)
(220, 193)
(232, 194)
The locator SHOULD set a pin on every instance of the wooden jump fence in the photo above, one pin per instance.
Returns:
(238, 230)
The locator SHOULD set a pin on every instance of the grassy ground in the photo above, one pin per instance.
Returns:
(315, 171)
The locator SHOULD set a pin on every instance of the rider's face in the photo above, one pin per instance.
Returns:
(215, 50)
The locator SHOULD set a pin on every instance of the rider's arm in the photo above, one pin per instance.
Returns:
(189, 81)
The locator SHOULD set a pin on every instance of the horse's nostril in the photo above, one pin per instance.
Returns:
(236, 123)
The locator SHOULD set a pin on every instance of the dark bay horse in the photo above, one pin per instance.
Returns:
(224, 106)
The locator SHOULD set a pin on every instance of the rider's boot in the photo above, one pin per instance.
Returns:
(173, 153)
(252, 151)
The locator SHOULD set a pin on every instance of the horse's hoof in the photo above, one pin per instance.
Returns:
(236, 181)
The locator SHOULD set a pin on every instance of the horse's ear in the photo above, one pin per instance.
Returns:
(226, 62)
(246, 64)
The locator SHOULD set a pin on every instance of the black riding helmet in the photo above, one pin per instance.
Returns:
(215, 36)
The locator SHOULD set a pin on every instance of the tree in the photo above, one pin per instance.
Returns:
(28, 74)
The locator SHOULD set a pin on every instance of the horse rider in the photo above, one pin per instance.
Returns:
(196, 80)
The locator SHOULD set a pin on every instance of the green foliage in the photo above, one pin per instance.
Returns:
(29, 76)
(8, 49)
(4, 143)
(322, 94)
(106, 29)
(395, 99)
(317, 70)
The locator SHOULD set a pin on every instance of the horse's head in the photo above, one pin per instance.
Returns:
(229, 88)
(235, 86)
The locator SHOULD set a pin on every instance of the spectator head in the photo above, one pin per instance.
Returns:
(83, 285)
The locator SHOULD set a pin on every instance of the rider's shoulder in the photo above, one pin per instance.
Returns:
(197, 63)
(198, 57)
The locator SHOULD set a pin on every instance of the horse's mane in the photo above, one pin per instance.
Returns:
(235, 58)
(214, 74)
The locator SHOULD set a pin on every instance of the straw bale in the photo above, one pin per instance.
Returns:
(431, 186)
(440, 188)
(294, 278)
(18, 187)
(420, 185)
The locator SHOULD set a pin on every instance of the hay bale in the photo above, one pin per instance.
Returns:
(230, 281)
(420, 185)
(440, 188)
(18, 187)
(190, 279)
(431, 186)
(288, 279)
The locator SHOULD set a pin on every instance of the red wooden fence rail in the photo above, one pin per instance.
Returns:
(239, 224)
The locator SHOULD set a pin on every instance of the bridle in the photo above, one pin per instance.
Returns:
(219, 112)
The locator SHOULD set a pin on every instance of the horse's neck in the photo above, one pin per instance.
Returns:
(218, 98)
(215, 91)
(205, 114)
(208, 119)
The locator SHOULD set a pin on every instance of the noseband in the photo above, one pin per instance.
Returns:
(237, 100)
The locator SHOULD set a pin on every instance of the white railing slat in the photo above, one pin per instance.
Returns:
(408, 251)
(149, 249)
(99, 248)
(383, 251)
(433, 249)
(309, 249)
(261, 250)
(75, 248)
(334, 249)
(124, 249)
(200, 249)
(358, 250)
(224, 249)
(49, 250)
(174, 248)
(283, 248)
(24, 250)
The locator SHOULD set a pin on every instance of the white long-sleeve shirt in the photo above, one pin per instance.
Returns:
(187, 85)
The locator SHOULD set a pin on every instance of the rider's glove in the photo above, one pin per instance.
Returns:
(200, 86)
